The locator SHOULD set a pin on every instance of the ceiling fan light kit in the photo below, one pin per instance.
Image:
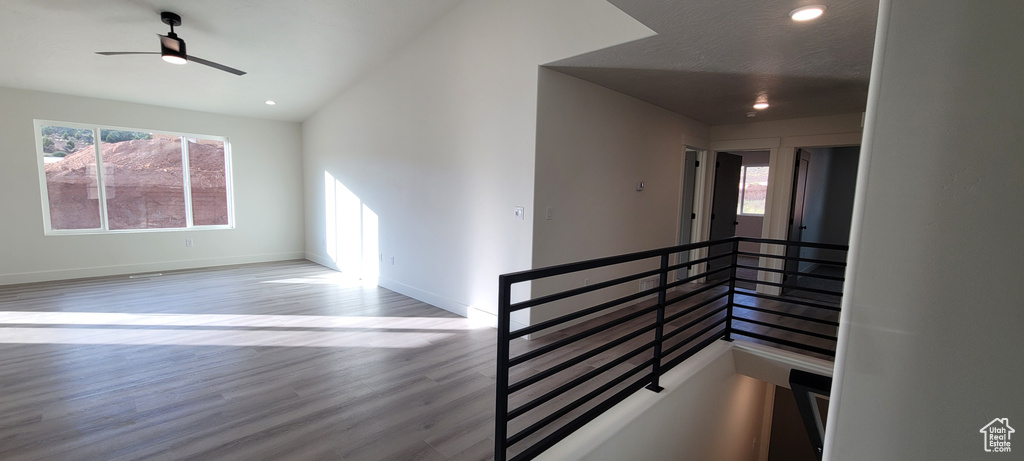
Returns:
(174, 54)
(172, 48)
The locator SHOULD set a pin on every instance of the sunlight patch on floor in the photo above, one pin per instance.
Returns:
(338, 279)
(219, 337)
(234, 320)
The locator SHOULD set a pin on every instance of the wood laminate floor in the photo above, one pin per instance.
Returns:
(281, 361)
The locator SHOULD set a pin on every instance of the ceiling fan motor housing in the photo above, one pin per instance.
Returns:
(170, 19)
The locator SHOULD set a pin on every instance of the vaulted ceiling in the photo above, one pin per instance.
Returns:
(299, 53)
(710, 60)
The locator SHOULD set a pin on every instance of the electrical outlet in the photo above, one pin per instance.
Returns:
(392, 260)
(189, 243)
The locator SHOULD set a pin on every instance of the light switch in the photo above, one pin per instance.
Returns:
(550, 214)
(520, 213)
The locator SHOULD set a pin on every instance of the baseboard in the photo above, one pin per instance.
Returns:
(450, 305)
(124, 269)
(322, 260)
(433, 299)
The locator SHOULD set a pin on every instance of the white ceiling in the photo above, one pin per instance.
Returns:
(297, 52)
(710, 60)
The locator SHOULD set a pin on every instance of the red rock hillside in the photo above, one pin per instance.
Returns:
(144, 188)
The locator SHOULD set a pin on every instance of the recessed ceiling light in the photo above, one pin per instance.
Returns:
(269, 102)
(806, 13)
(761, 106)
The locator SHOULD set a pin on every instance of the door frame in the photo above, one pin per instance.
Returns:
(699, 195)
(694, 190)
(781, 167)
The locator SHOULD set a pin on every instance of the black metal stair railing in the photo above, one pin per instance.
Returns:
(786, 295)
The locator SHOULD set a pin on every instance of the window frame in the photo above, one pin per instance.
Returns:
(743, 190)
(104, 228)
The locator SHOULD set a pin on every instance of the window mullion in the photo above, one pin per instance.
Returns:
(743, 189)
(101, 192)
(187, 180)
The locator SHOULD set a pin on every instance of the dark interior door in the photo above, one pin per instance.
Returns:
(687, 216)
(723, 208)
(796, 215)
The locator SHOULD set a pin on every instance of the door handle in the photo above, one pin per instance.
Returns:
(803, 227)
(735, 223)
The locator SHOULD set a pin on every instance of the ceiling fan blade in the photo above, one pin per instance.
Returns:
(214, 65)
(116, 53)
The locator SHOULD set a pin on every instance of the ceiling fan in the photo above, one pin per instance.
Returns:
(172, 48)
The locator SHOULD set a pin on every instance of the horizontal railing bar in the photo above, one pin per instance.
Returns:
(797, 273)
(527, 356)
(578, 291)
(703, 309)
(582, 290)
(534, 274)
(794, 258)
(786, 314)
(582, 420)
(823, 246)
(692, 337)
(790, 300)
(578, 402)
(693, 350)
(698, 276)
(551, 371)
(575, 315)
(694, 322)
(792, 287)
(784, 342)
(699, 305)
(515, 413)
(695, 262)
(692, 293)
(790, 329)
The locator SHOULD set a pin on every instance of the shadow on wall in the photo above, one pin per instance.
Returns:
(351, 232)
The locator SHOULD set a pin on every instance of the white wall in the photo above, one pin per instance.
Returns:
(593, 146)
(439, 143)
(266, 162)
(790, 128)
(930, 343)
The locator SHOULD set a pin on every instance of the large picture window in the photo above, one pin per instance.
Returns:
(107, 179)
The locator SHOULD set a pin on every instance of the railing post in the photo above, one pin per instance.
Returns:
(732, 287)
(659, 329)
(501, 381)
